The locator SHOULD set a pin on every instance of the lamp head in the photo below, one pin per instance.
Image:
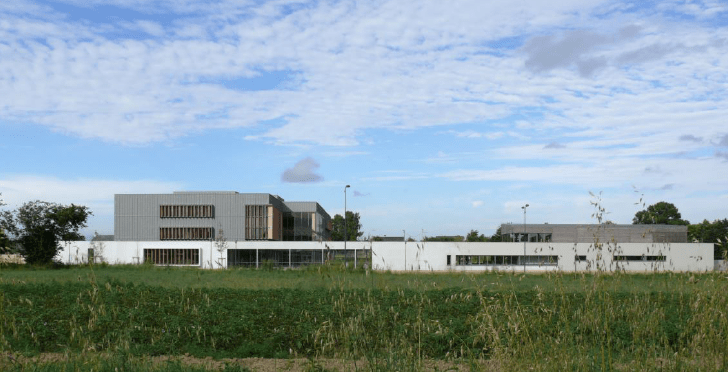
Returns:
(347, 186)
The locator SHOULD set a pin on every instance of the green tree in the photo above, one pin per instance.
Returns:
(474, 237)
(661, 213)
(497, 237)
(715, 232)
(4, 241)
(37, 227)
(353, 227)
(445, 238)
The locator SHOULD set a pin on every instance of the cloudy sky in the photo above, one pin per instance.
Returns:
(443, 116)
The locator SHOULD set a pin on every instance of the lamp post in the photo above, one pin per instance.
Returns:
(525, 237)
(346, 263)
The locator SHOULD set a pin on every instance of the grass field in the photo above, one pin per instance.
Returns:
(325, 318)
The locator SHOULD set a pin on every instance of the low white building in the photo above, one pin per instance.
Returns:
(401, 256)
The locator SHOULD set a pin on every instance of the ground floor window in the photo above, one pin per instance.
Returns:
(172, 256)
(490, 260)
(639, 258)
(292, 257)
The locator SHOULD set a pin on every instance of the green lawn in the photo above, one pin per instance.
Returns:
(327, 277)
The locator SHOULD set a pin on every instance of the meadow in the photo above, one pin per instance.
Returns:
(160, 318)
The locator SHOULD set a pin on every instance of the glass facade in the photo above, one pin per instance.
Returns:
(275, 257)
(639, 258)
(299, 226)
(285, 258)
(493, 260)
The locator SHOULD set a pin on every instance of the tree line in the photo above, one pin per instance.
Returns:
(35, 229)
(665, 213)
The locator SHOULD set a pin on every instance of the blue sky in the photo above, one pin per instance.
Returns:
(442, 116)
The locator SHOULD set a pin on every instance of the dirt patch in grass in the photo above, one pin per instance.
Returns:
(9, 360)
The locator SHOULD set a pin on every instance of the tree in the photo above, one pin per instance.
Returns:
(4, 241)
(221, 245)
(444, 238)
(353, 227)
(661, 213)
(96, 249)
(474, 237)
(497, 237)
(715, 232)
(37, 227)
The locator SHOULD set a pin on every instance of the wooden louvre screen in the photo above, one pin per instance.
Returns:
(186, 211)
(185, 233)
(169, 256)
(256, 222)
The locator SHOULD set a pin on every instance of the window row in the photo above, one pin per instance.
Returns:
(507, 260)
(166, 256)
(185, 233)
(639, 258)
(291, 257)
(530, 237)
(186, 211)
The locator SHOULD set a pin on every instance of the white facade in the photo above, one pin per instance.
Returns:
(432, 256)
(427, 256)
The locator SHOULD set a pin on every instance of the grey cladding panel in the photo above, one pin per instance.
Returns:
(136, 216)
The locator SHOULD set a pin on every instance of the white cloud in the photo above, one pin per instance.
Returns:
(146, 91)
(622, 88)
(19, 189)
(474, 134)
(97, 194)
(477, 203)
(149, 27)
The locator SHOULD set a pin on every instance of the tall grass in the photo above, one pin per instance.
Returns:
(502, 321)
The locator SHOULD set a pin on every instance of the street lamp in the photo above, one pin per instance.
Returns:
(525, 237)
(346, 263)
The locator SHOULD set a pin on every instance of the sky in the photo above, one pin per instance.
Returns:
(443, 116)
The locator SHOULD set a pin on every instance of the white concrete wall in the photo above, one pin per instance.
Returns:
(432, 256)
(720, 265)
(125, 252)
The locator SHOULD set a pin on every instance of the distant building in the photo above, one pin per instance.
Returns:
(574, 233)
(388, 238)
(205, 215)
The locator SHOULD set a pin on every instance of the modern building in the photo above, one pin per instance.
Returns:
(261, 230)
(574, 233)
(207, 215)
(402, 256)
